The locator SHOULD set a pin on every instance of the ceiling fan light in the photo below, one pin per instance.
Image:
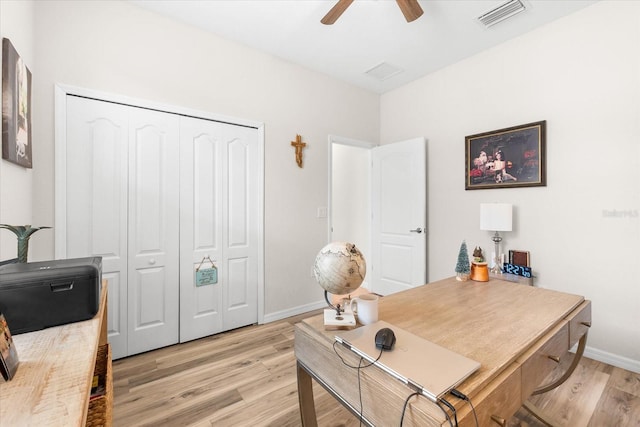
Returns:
(502, 12)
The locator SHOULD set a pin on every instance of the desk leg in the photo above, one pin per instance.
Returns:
(574, 364)
(305, 398)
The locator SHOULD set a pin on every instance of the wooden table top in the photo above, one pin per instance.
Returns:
(491, 322)
(53, 380)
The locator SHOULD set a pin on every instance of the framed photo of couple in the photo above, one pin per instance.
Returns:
(510, 157)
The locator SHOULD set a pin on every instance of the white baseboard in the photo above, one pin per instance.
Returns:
(279, 315)
(612, 359)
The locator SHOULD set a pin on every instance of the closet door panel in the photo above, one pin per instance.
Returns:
(200, 226)
(117, 312)
(96, 137)
(96, 199)
(240, 245)
(153, 274)
(239, 217)
(206, 215)
(238, 279)
(206, 228)
(150, 310)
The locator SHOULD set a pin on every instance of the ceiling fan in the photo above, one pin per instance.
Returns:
(410, 9)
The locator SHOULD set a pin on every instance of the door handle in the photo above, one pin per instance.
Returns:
(417, 230)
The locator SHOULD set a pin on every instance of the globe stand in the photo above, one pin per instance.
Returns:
(336, 308)
(335, 318)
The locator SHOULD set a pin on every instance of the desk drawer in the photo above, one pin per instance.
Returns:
(498, 401)
(579, 322)
(543, 358)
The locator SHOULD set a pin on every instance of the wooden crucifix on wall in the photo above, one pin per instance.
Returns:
(299, 145)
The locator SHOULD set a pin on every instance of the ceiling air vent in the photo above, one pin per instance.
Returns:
(383, 71)
(502, 12)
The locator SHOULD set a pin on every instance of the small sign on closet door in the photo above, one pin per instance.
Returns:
(206, 276)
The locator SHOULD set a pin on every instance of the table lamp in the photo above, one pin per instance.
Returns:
(496, 217)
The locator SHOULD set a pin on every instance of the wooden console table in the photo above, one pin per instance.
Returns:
(53, 382)
(518, 334)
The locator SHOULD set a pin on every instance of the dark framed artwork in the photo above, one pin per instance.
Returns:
(510, 157)
(16, 107)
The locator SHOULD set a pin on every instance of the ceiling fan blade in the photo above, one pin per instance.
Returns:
(410, 9)
(335, 12)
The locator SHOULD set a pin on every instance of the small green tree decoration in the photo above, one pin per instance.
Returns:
(463, 267)
(23, 233)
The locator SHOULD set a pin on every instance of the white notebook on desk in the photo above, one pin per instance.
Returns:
(422, 365)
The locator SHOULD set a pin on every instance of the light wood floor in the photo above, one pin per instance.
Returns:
(247, 377)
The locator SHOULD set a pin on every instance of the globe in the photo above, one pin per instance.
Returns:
(340, 268)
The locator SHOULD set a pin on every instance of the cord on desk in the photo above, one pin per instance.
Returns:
(360, 389)
(463, 396)
(453, 410)
(446, 414)
(359, 367)
(404, 407)
(361, 359)
(417, 393)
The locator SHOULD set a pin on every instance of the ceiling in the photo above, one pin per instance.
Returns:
(369, 33)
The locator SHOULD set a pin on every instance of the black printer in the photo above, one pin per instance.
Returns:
(38, 295)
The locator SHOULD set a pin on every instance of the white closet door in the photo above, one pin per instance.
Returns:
(219, 218)
(96, 200)
(153, 193)
(201, 204)
(153, 273)
(240, 235)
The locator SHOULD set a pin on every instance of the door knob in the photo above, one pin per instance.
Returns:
(152, 261)
(417, 230)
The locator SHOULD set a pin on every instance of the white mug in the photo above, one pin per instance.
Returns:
(366, 308)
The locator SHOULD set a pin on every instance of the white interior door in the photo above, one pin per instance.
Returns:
(241, 231)
(399, 216)
(153, 272)
(121, 204)
(201, 164)
(94, 222)
(219, 219)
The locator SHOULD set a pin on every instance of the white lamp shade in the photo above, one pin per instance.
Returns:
(495, 216)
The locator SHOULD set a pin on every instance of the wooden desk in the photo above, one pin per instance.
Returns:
(517, 333)
(53, 381)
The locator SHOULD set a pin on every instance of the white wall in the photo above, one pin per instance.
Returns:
(116, 47)
(16, 24)
(581, 74)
